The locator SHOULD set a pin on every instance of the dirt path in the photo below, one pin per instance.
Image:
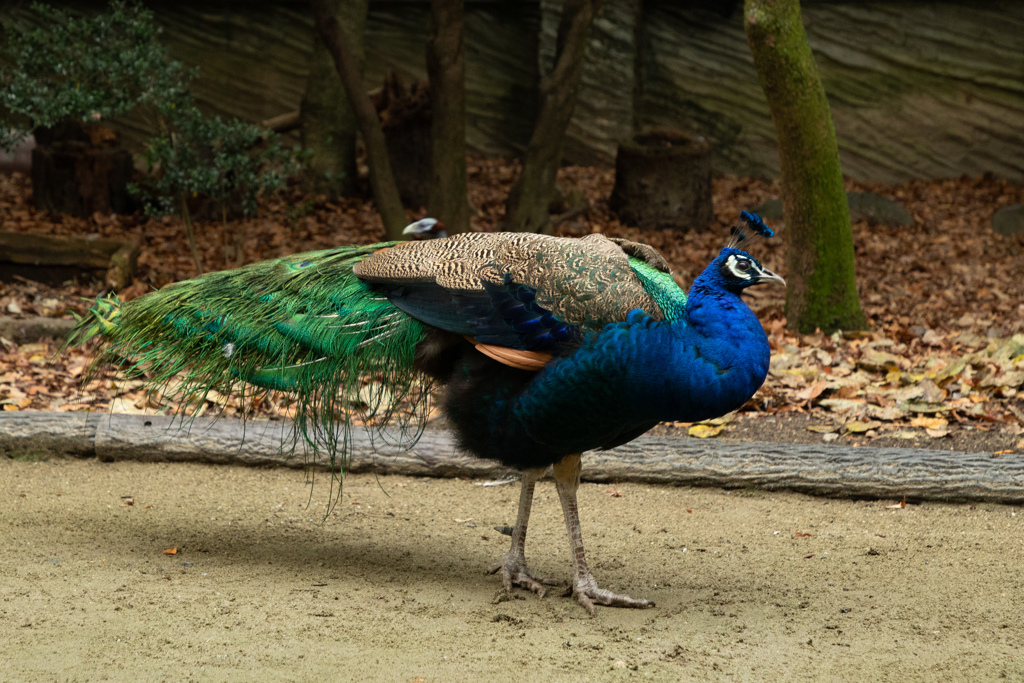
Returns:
(749, 585)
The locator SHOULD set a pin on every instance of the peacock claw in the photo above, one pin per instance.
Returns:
(587, 593)
(514, 573)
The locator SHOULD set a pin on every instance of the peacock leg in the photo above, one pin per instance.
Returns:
(513, 563)
(584, 587)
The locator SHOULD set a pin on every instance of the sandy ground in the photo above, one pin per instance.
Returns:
(749, 585)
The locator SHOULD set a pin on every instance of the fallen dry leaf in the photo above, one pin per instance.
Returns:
(704, 431)
(857, 427)
(929, 422)
(822, 429)
(812, 392)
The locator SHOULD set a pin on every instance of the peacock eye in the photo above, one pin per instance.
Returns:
(743, 265)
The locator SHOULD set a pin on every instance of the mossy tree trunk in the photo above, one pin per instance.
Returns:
(527, 206)
(327, 122)
(822, 289)
(446, 68)
(382, 180)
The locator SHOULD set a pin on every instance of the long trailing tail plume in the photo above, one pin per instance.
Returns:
(302, 324)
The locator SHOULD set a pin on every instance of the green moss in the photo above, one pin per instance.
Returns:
(30, 455)
(822, 291)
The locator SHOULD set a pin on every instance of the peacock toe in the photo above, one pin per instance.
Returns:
(515, 573)
(588, 593)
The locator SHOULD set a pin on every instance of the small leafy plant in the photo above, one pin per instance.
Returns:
(85, 68)
(230, 162)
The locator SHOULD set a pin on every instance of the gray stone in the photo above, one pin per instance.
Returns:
(878, 209)
(28, 330)
(1009, 220)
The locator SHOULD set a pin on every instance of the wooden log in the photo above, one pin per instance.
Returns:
(34, 436)
(55, 259)
(28, 330)
(838, 471)
(283, 123)
(663, 180)
(409, 147)
(82, 180)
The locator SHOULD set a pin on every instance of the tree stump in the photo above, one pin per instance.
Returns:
(405, 118)
(663, 180)
(80, 169)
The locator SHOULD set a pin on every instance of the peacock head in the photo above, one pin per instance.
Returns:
(426, 229)
(735, 269)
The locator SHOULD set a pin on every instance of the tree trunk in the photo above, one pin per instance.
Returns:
(404, 113)
(822, 290)
(527, 206)
(326, 118)
(385, 193)
(446, 68)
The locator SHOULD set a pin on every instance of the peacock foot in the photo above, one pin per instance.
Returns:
(514, 573)
(587, 593)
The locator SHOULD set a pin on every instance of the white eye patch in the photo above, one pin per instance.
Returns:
(740, 267)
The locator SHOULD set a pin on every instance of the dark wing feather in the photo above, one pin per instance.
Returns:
(504, 283)
(501, 315)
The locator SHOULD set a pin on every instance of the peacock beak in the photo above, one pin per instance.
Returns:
(768, 276)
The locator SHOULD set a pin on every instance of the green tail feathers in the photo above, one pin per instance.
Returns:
(99, 320)
(302, 324)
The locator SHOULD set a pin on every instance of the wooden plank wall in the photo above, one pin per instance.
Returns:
(501, 41)
(254, 58)
(605, 108)
(918, 89)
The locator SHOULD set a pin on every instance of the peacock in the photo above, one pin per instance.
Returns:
(544, 347)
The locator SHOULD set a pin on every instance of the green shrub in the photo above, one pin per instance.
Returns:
(101, 66)
(85, 68)
(230, 162)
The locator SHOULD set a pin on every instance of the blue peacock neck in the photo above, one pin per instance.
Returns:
(704, 363)
(706, 358)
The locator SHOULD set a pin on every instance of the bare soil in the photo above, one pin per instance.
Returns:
(749, 585)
